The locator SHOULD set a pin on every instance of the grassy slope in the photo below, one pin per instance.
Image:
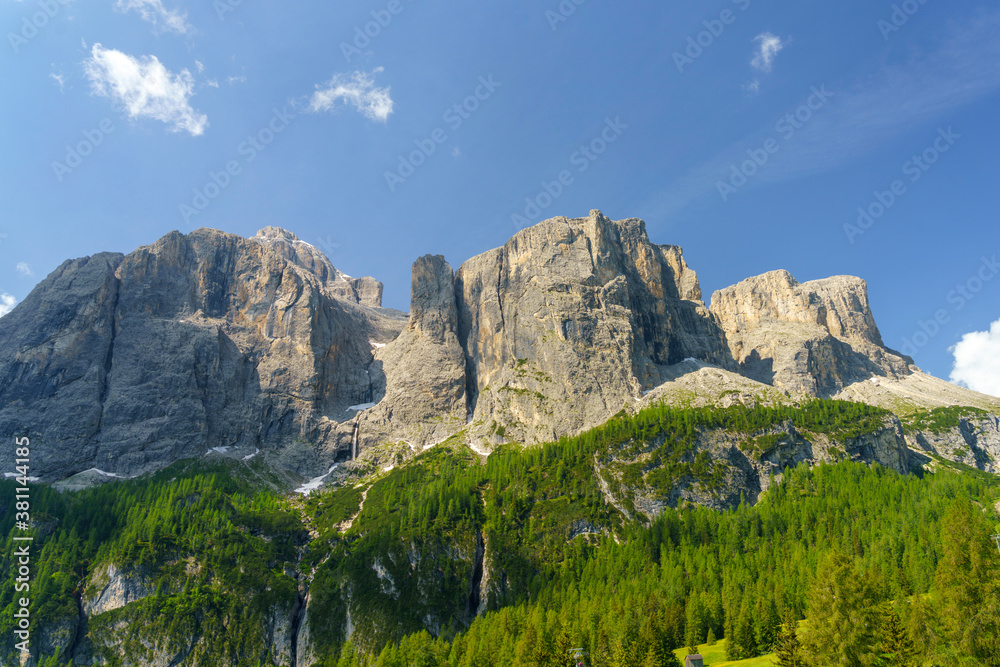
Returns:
(715, 656)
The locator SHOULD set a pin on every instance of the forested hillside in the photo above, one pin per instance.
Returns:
(513, 560)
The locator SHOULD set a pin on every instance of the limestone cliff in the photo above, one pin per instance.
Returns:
(213, 343)
(209, 340)
(812, 338)
(570, 320)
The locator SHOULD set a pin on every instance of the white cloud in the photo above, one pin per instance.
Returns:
(7, 303)
(358, 90)
(768, 46)
(977, 361)
(154, 12)
(145, 88)
(60, 79)
(231, 80)
(24, 269)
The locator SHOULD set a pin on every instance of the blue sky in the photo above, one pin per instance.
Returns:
(749, 133)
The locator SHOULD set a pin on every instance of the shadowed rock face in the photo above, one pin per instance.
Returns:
(813, 338)
(127, 363)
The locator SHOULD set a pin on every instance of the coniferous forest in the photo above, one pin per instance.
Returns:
(838, 564)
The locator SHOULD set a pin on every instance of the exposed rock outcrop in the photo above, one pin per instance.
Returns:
(424, 367)
(128, 363)
(570, 320)
(814, 338)
(212, 342)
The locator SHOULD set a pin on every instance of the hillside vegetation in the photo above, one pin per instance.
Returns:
(446, 560)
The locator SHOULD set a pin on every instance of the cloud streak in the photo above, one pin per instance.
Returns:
(144, 88)
(357, 90)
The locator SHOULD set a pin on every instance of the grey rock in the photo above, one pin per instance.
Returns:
(205, 340)
(424, 367)
(570, 320)
(814, 338)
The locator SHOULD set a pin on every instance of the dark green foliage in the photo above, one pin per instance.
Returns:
(148, 528)
(566, 569)
(695, 570)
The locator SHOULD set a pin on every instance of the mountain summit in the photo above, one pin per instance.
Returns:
(209, 342)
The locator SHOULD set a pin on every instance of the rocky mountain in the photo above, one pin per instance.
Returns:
(241, 368)
(127, 363)
(214, 343)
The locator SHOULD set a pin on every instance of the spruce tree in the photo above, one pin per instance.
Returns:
(895, 646)
(787, 649)
(843, 619)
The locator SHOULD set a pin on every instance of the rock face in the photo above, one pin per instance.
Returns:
(127, 363)
(813, 338)
(570, 320)
(365, 291)
(974, 442)
(424, 368)
(213, 342)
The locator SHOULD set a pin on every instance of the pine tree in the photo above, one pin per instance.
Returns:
(743, 643)
(787, 649)
(895, 646)
(842, 616)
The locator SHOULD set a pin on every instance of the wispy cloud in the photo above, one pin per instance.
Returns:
(59, 78)
(860, 117)
(24, 269)
(977, 360)
(357, 90)
(145, 88)
(7, 303)
(768, 46)
(154, 12)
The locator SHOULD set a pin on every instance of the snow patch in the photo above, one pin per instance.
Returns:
(221, 450)
(479, 450)
(104, 474)
(8, 475)
(361, 406)
(377, 346)
(315, 482)
(250, 456)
